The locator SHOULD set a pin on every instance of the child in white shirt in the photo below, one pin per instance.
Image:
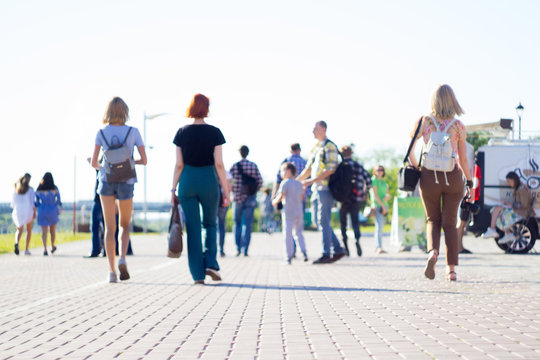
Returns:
(291, 194)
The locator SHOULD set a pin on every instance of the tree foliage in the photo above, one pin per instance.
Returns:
(478, 139)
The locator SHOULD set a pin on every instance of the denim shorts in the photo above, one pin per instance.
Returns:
(122, 191)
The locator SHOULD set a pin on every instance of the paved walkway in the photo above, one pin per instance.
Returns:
(376, 306)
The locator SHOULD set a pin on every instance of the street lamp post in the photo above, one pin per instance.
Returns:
(145, 204)
(519, 111)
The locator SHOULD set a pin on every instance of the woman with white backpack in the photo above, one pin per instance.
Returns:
(443, 164)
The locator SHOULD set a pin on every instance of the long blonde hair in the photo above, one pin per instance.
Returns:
(23, 184)
(117, 112)
(444, 104)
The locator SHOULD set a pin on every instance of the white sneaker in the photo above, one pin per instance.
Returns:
(490, 233)
(27, 252)
(112, 277)
(213, 273)
(507, 239)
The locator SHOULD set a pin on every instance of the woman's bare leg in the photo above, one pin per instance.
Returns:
(125, 208)
(108, 204)
(28, 234)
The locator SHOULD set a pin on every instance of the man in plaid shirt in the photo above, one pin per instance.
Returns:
(321, 164)
(357, 199)
(244, 203)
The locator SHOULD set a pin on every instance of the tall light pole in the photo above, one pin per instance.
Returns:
(145, 205)
(519, 112)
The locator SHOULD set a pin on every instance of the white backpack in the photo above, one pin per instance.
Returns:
(438, 154)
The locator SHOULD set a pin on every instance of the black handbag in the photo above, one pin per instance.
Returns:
(409, 176)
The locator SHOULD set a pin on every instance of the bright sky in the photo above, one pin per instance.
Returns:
(271, 69)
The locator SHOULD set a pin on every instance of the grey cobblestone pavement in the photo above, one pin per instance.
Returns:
(376, 306)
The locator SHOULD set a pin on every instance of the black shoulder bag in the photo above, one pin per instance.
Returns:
(408, 176)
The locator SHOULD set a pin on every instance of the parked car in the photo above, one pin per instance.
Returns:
(493, 162)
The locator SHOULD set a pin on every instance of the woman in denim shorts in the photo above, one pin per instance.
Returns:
(118, 193)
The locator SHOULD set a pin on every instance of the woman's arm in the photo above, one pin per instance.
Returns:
(462, 157)
(222, 175)
(142, 154)
(178, 168)
(94, 161)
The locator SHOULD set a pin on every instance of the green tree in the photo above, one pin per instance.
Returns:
(478, 139)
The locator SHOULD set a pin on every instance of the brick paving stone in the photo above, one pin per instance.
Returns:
(376, 306)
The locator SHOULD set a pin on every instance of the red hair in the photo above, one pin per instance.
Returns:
(198, 108)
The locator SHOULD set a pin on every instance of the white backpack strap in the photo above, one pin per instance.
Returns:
(435, 122)
(449, 124)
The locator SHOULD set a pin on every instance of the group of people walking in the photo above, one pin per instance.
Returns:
(201, 186)
(44, 203)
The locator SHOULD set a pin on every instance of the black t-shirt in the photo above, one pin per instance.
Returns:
(198, 143)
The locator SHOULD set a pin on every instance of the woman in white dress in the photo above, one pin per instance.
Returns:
(24, 211)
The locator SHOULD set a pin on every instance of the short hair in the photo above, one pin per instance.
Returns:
(198, 108)
(47, 183)
(117, 112)
(346, 151)
(289, 166)
(244, 151)
(295, 147)
(444, 104)
(323, 124)
(513, 176)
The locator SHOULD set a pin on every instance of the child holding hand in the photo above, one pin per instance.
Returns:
(291, 194)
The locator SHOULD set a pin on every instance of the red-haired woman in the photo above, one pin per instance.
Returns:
(199, 165)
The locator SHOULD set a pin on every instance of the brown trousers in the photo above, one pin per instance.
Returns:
(441, 204)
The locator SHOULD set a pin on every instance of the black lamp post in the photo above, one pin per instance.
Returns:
(519, 112)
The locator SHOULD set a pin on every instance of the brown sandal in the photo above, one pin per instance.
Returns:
(429, 271)
(451, 276)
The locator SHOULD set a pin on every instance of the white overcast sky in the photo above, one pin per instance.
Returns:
(270, 68)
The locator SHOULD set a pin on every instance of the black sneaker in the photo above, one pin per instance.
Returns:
(338, 256)
(465, 251)
(16, 249)
(325, 259)
(358, 249)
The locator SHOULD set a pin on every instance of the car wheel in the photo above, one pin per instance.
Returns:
(526, 234)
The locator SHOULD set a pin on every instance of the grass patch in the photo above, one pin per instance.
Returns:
(7, 240)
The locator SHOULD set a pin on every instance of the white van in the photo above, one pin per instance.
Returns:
(493, 162)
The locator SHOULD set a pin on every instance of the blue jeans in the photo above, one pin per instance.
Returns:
(221, 219)
(97, 220)
(380, 219)
(329, 239)
(243, 219)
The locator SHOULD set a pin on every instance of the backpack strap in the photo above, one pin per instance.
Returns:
(125, 139)
(435, 122)
(326, 141)
(107, 143)
(105, 139)
(450, 124)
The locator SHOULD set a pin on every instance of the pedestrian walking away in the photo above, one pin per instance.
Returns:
(441, 179)
(321, 164)
(247, 180)
(117, 178)
(291, 192)
(379, 196)
(24, 211)
(357, 189)
(198, 170)
(48, 204)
